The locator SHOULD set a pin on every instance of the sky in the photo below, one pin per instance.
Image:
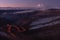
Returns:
(30, 3)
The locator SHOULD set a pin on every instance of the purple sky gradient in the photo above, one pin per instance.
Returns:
(30, 3)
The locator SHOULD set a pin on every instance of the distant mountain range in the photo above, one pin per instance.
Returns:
(15, 8)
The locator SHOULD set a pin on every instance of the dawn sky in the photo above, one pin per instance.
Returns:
(30, 3)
